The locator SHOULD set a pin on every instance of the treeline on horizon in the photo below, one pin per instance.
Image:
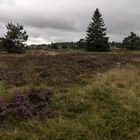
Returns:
(95, 39)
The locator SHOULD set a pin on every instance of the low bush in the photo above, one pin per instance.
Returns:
(9, 46)
(32, 104)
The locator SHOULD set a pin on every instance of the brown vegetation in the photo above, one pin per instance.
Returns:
(59, 69)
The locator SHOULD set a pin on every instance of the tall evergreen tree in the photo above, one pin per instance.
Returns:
(96, 39)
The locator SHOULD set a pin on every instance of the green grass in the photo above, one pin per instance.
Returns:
(106, 107)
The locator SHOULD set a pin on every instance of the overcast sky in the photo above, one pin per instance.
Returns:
(67, 20)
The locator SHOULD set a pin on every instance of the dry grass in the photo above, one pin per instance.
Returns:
(124, 84)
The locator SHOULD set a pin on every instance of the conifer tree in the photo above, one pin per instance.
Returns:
(132, 42)
(14, 39)
(96, 39)
(16, 33)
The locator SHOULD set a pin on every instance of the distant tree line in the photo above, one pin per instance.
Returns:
(131, 42)
(60, 45)
(95, 40)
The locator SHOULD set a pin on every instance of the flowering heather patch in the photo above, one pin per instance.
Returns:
(31, 104)
(39, 95)
(19, 106)
(68, 68)
(59, 70)
(12, 76)
(17, 71)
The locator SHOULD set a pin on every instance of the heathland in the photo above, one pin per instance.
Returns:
(96, 95)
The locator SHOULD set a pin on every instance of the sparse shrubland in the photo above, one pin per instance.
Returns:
(60, 69)
(95, 96)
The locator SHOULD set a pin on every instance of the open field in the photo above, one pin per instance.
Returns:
(97, 95)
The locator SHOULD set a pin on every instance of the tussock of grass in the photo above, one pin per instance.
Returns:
(117, 101)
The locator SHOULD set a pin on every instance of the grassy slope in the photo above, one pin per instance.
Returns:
(103, 107)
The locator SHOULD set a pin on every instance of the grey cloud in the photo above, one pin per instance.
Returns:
(52, 35)
(67, 20)
(7, 2)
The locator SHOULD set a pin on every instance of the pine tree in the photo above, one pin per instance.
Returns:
(16, 33)
(14, 39)
(96, 39)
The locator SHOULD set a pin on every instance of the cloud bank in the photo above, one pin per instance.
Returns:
(67, 20)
